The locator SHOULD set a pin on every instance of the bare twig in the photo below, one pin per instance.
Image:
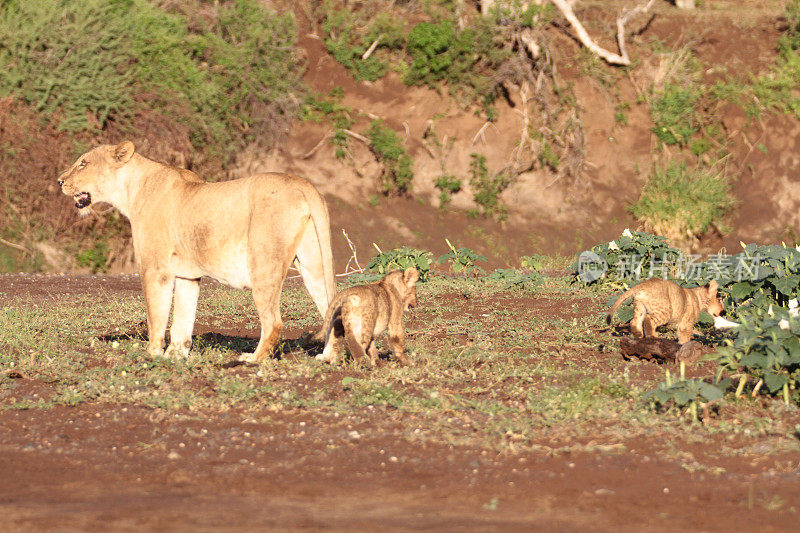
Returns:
(353, 258)
(15, 246)
(371, 49)
(480, 131)
(583, 36)
(358, 136)
(311, 152)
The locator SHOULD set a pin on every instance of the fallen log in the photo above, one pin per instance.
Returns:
(660, 350)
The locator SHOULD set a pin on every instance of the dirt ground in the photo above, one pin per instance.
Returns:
(113, 467)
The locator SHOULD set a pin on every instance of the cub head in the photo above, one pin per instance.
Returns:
(94, 176)
(405, 283)
(715, 307)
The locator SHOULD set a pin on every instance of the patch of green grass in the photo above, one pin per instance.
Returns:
(674, 114)
(681, 203)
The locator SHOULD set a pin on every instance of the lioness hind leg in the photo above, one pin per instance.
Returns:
(267, 302)
(183, 314)
(317, 275)
(157, 287)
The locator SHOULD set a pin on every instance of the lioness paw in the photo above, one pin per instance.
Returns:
(248, 357)
(176, 351)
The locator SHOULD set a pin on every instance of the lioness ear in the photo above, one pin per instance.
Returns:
(410, 276)
(123, 152)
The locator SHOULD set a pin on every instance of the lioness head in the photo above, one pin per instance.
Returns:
(94, 177)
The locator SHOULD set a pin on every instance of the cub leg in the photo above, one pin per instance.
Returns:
(157, 287)
(639, 314)
(685, 333)
(649, 327)
(333, 344)
(397, 340)
(355, 345)
(372, 351)
(183, 315)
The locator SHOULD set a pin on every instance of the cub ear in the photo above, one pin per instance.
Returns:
(712, 288)
(410, 276)
(123, 152)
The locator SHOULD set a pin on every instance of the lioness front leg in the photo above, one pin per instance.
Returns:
(183, 315)
(157, 287)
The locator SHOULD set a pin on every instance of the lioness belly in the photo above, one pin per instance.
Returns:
(228, 267)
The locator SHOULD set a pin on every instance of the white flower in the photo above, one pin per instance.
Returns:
(627, 233)
(794, 308)
(783, 324)
(613, 246)
(770, 312)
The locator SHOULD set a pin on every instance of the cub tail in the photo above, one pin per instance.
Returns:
(624, 296)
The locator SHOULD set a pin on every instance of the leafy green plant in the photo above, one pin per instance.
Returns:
(397, 174)
(402, 258)
(683, 204)
(486, 188)
(686, 395)
(462, 260)
(633, 255)
(766, 347)
(533, 262)
(515, 279)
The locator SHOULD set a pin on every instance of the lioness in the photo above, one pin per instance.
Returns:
(657, 302)
(360, 313)
(244, 233)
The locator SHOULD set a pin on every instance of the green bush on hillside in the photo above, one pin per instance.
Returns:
(681, 204)
(397, 174)
(85, 63)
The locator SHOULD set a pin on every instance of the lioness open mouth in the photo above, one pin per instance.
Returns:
(82, 200)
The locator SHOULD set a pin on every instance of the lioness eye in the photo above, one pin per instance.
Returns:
(82, 163)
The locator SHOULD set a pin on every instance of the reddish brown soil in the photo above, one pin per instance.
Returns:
(112, 467)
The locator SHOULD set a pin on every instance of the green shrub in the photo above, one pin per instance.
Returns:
(674, 114)
(682, 204)
(401, 259)
(464, 59)
(486, 188)
(447, 185)
(397, 174)
(87, 62)
(96, 257)
(348, 34)
(330, 108)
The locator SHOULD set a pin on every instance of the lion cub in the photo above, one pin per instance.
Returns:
(360, 313)
(657, 302)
